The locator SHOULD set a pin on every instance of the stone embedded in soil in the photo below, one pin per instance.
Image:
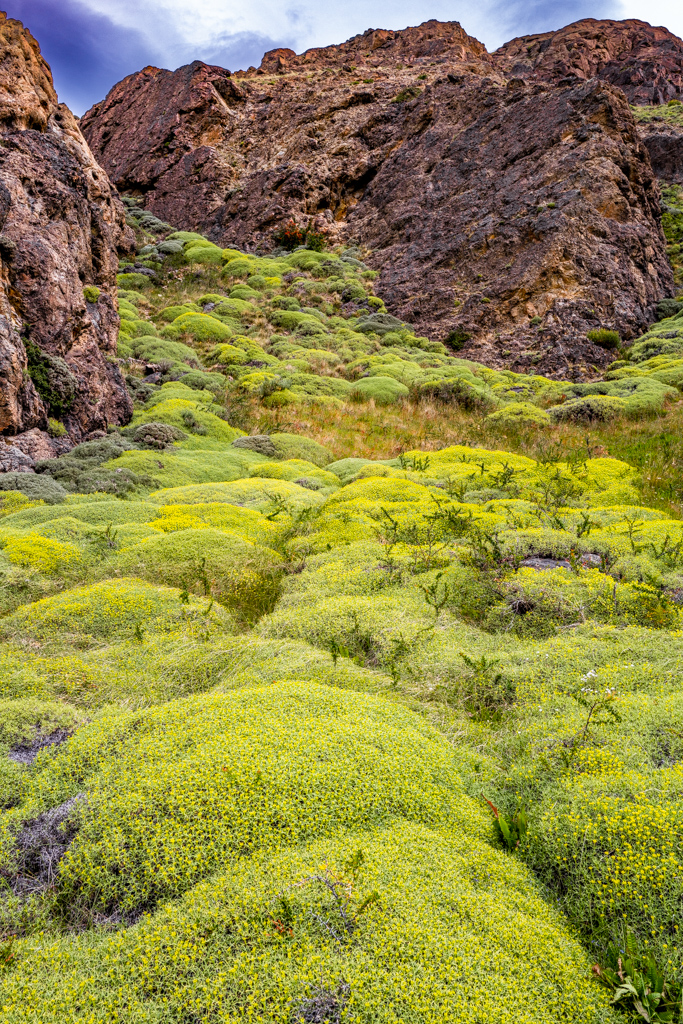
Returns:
(489, 194)
(61, 225)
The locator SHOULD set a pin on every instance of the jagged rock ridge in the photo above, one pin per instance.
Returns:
(489, 198)
(645, 62)
(61, 224)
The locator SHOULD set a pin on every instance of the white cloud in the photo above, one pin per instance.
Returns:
(178, 31)
(668, 13)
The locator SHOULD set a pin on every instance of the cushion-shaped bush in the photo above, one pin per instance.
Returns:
(198, 380)
(133, 281)
(204, 254)
(296, 446)
(130, 295)
(522, 413)
(229, 355)
(206, 561)
(604, 338)
(182, 466)
(188, 416)
(239, 266)
(198, 243)
(294, 469)
(244, 522)
(347, 469)
(379, 323)
(472, 395)
(157, 435)
(38, 488)
(382, 390)
(15, 501)
(318, 758)
(503, 921)
(108, 610)
(170, 247)
(404, 370)
(592, 408)
(261, 444)
(95, 513)
(23, 721)
(199, 326)
(260, 383)
(384, 490)
(158, 350)
(186, 236)
(170, 313)
(306, 259)
(312, 385)
(272, 497)
(137, 328)
(277, 399)
(234, 307)
(243, 292)
(289, 320)
(44, 554)
(642, 393)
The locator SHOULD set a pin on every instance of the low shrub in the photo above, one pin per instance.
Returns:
(53, 380)
(38, 488)
(522, 413)
(592, 409)
(200, 326)
(382, 390)
(604, 338)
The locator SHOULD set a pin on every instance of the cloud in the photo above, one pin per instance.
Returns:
(92, 44)
(87, 53)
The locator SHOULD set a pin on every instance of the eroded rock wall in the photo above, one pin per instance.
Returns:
(61, 226)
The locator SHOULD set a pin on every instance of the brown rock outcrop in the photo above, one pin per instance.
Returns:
(61, 223)
(645, 62)
(664, 143)
(489, 200)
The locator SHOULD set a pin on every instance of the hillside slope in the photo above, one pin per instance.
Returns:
(256, 690)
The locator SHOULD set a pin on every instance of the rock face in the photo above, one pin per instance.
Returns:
(61, 224)
(645, 62)
(510, 208)
(664, 143)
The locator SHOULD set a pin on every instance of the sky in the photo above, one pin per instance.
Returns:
(92, 44)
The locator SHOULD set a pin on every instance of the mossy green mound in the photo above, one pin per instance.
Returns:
(240, 772)
(226, 949)
(106, 610)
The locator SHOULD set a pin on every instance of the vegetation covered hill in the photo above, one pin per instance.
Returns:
(345, 682)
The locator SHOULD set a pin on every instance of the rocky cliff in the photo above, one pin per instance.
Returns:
(645, 62)
(61, 224)
(507, 210)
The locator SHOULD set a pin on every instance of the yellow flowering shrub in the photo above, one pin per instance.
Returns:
(497, 953)
(238, 772)
(260, 494)
(45, 554)
(112, 608)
